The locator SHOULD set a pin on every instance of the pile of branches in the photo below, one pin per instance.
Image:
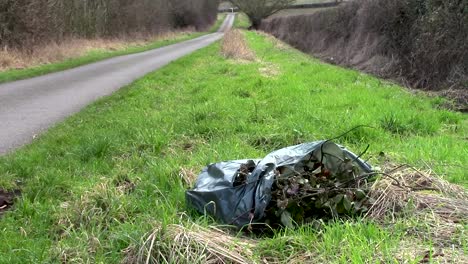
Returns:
(311, 191)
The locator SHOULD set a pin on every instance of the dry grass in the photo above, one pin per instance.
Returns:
(234, 46)
(188, 176)
(432, 209)
(193, 244)
(405, 188)
(72, 48)
(412, 249)
(269, 70)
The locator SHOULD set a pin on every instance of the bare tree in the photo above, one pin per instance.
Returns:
(257, 10)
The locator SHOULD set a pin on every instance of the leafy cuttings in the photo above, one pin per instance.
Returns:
(243, 173)
(313, 191)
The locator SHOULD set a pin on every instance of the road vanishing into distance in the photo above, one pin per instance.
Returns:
(29, 107)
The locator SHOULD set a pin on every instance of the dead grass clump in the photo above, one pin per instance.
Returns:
(188, 176)
(406, 188)
(8, 59)
(193, 244)
(460, 98)
(412, 249)
(434, 208)
(235, 46)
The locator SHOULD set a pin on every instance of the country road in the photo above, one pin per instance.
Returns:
(29, 107)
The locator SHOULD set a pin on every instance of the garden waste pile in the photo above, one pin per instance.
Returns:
(294, 185)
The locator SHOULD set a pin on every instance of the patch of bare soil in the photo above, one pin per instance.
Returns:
(7, 199)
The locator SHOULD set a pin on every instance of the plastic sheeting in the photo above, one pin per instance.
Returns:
(215, 193)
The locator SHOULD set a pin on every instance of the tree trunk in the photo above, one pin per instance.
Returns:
(255, 23)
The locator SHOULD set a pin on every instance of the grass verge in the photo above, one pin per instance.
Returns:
(242, 21)
(97, 54)
(107, 185)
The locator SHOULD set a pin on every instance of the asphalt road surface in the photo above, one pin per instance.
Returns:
(29, 107)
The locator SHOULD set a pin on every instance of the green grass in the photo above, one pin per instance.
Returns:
(99, 54)
(242, 21)
(78, 205)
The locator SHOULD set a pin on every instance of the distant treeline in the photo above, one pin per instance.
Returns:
(423, 43)
(25, 23)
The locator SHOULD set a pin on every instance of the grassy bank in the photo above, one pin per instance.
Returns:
(97, 184)
(393, 40)
(98, 54)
